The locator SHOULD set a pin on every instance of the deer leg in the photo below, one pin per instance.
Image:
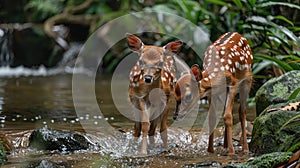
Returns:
(153, 125)
(228, 116)
(145, 127)
(244, 91)
(225, 142)
(212, 125)
(137, 130)
(164, 126)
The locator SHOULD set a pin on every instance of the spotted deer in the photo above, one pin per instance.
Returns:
(229, 57)
(152, 81)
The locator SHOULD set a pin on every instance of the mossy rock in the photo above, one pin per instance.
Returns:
(265, 161)
(276, 131)
(3, 157)
(58, 140)
(277, 90)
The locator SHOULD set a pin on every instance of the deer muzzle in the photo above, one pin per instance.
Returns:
(148, 79)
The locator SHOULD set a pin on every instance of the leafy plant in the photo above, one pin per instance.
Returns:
(272, 35)
(40, 10)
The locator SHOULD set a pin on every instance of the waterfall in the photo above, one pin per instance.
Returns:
(6, 53)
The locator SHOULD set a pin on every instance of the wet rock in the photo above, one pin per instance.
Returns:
(46, 164)
(3, 157)
(204, 164)
(264, 161)
(64, 141)
(277, 90)
(276, 130)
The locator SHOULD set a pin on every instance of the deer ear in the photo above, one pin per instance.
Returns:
(173, 46)
(133, 42)
(196, 71)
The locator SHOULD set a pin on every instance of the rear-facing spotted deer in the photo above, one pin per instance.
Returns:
(229, 57)
(153, 72)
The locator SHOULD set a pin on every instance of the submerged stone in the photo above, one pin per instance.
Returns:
(65, 141)
(276, 130)
(47, 164)
(277, 90)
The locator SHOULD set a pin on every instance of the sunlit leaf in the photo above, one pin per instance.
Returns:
(294, 94)
(219, 2)
(257, 67)
(268, 4)
(281, 64)
(252, 2)
(280, 17)
(238, 3)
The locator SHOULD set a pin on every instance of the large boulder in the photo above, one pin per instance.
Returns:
(277, 90)
(53, 140)
(277, 129)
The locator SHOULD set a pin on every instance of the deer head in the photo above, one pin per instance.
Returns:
(151, 58)
(187, 92)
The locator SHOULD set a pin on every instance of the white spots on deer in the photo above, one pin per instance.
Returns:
(212, 75)
(227, 67)
(248, 52)
(166, 74)
(240, 44)
(242, 58)
(232, 70)
(230, 53)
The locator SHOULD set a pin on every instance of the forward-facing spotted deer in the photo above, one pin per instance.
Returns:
(229, 57)
(152, 81)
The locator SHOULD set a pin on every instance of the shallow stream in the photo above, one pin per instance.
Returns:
(47, 101)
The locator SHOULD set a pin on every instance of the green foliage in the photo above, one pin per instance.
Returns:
(271, 34)
(40, 10)
(294, 94)
(3, 157)
(99, 7)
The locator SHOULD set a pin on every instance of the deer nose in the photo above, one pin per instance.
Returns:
(175, 116)
(148, 79)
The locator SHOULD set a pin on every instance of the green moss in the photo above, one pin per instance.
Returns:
(269, 135)
(279, 90)
(265, 161)
(3, 157)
